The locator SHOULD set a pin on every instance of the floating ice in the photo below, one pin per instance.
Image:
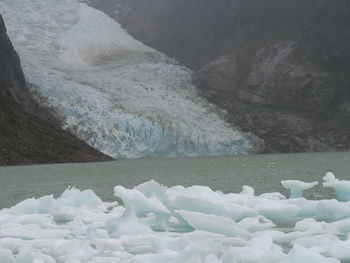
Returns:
(297, 187)
(158, 224)
(300, 254)
(6, 256)
(341, 188)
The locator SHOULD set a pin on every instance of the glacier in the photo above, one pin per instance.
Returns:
(118, 95)
(177, 224)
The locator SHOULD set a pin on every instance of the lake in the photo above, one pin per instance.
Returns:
(228, 174)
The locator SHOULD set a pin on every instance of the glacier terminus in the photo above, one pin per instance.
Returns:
(118, 95)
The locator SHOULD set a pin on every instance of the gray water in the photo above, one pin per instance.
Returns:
(228, 174)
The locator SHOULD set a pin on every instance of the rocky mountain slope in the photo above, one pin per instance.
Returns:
(24, 137)
(280, 68)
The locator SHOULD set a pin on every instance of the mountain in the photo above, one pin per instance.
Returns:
(24, 137)
(120, 96)
(279, 67)
(194, 32)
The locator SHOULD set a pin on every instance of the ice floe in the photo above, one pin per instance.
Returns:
(158, 224)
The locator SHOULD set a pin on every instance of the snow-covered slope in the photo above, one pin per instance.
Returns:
(120, 96)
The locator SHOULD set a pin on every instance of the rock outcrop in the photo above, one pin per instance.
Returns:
(24, 137)
(287, 79)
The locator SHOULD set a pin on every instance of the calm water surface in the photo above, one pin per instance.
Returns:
(263, 172)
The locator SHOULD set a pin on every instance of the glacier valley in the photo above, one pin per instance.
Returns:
(121, 97)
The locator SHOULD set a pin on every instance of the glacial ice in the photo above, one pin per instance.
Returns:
(120, 96)
(158, 224)
(341, 188)
(297, 187)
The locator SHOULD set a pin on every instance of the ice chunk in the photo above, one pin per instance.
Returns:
(27, 256)
(6, 256)
(317, 240)
(164, 256)
(254, 224)
(63, 214)
(76, 198)
(259, 249)
(213, 223)
(247, 190)
(108, 244)
(297, 187)
(277, 211)
(300, 254)
(82, 253)
(340, 250)
(308, 208)
(341, 187)
(330, 177)
(139, 202)
(231, 210)
(128, 224)
(273, 196)
(136, 204)
(215, 227)
(34, 206)
(332, 210)
(32, 232)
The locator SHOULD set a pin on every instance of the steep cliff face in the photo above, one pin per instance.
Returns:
(279, 67)
(25, 138)
(12, 78)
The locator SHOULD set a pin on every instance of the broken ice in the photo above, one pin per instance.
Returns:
(180, 225)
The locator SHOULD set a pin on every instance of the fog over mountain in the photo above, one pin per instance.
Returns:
(279, 67)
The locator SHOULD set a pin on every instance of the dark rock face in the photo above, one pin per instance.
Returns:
(25, 138)
(279, 67)
(289, 83)
(12, 78)
(294, 105)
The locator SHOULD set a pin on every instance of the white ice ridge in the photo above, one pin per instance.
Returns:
(158, 224)
(112, 91)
